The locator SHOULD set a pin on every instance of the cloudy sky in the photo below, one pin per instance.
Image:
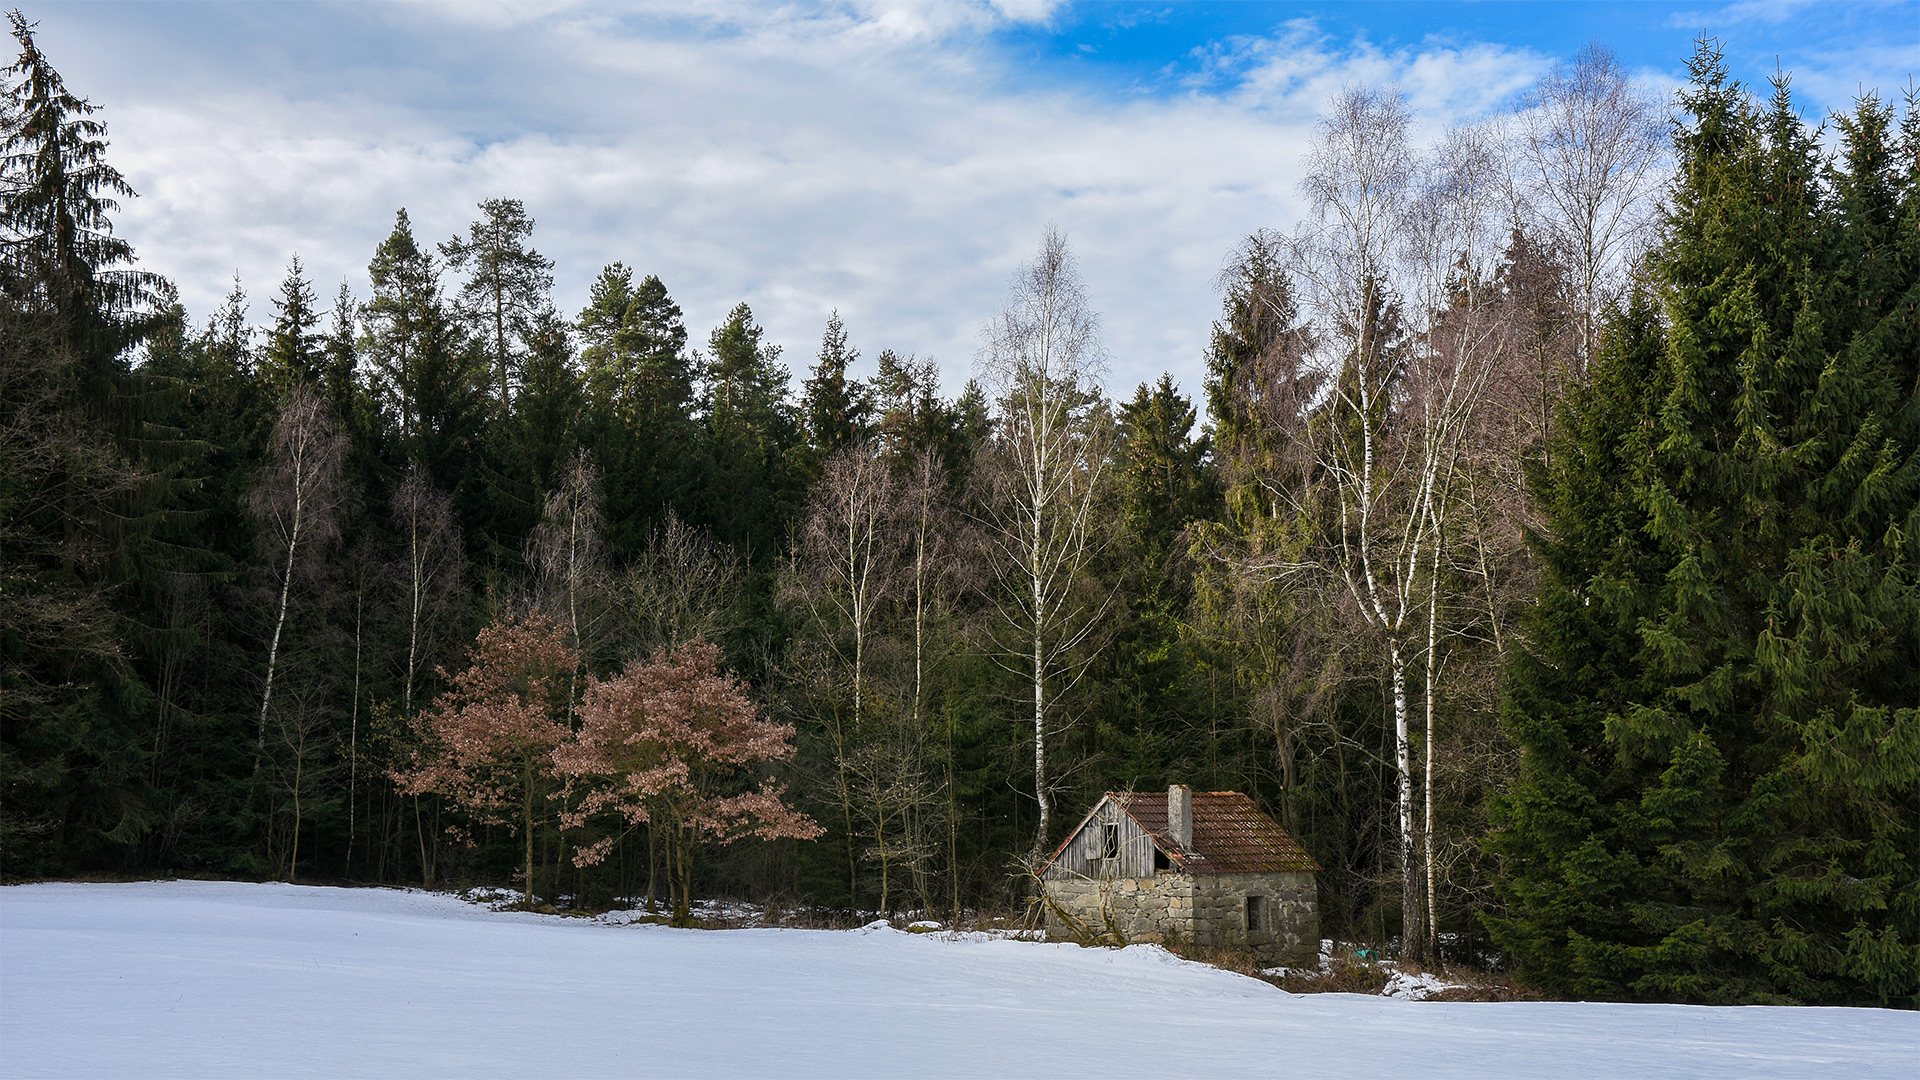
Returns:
(894, 161)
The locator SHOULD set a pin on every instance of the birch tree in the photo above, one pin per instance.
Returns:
(295, 504)
(1361, 187)
(847, 558)
(1042, 355)
(432, 564)
(1591, 146)
(1454, 251)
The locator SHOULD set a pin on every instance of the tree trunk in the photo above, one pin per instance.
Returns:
(414, 569)
(299, 769)
(1433, 670)
(1409, 858)
(279, 623)
(1039, 704)
(526, 822)
(353, 743)
(420, 830)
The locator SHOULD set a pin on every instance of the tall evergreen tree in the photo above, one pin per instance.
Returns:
(56, 233)
(1720, 793)
(834, 408)
(1166, 477)
(295, 354)
(753, 433)
(429, 379)
(640, 391)
(506, 287)
(87, 475)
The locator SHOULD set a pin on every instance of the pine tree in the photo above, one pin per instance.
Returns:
(506, 287)
(1720, 794)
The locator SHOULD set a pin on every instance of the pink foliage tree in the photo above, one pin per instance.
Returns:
(674, 742)
(487, 744)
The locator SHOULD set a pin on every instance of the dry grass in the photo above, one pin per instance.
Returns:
(1349, 975)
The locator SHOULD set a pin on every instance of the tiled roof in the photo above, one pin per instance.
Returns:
(1230, 834)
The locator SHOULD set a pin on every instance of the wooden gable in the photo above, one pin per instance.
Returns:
(1108, 843)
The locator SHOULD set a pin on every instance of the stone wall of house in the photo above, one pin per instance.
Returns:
(1120, 911)
(1290, 923)
(1205, 910)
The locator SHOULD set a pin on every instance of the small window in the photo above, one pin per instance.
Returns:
(1256, 914)
(1110, 840)
(1160, 860)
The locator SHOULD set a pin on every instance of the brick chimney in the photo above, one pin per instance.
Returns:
(1180, 815)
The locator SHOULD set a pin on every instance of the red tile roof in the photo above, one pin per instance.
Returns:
(1230, 834)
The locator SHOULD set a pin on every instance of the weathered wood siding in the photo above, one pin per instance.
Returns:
(1081, 857)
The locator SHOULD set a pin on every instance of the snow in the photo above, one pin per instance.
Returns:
(215, 979)
(1410, 985)
(1415, 985)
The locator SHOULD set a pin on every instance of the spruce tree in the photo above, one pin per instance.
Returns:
(295, 353)
(429, 377)
(86, 476)
(753, 433)
(834, 408)
(1720, 793)
(640, 398)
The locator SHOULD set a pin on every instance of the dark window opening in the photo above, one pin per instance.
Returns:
(1160, 860)
(1110, 840)
(1256, 913)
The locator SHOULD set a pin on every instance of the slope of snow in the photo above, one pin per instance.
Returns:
(211, 979)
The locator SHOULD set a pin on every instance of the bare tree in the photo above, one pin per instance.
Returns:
(364, 572)
(1042, 355)
(1360, 183)
(850, 549)
(432, 563)
(300, 767)
(683, 585)
(1590, 150)
(1400, 395)
(564, 553)
(295, 503)
(936, 566)
(1454, 249)
(845, 565)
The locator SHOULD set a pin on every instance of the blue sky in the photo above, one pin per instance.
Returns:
(894, 161)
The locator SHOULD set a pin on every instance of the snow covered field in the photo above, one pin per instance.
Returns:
(211, 979)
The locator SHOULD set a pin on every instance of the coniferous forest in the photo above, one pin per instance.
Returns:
(1542, 550)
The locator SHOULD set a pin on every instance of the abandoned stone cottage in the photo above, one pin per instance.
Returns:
(1209, 868)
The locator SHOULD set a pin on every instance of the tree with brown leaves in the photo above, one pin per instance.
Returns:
(488, 742)
(673, 742)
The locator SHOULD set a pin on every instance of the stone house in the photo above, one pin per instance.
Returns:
(1207, 868)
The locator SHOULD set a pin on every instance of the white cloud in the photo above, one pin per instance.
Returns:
(882, 159)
